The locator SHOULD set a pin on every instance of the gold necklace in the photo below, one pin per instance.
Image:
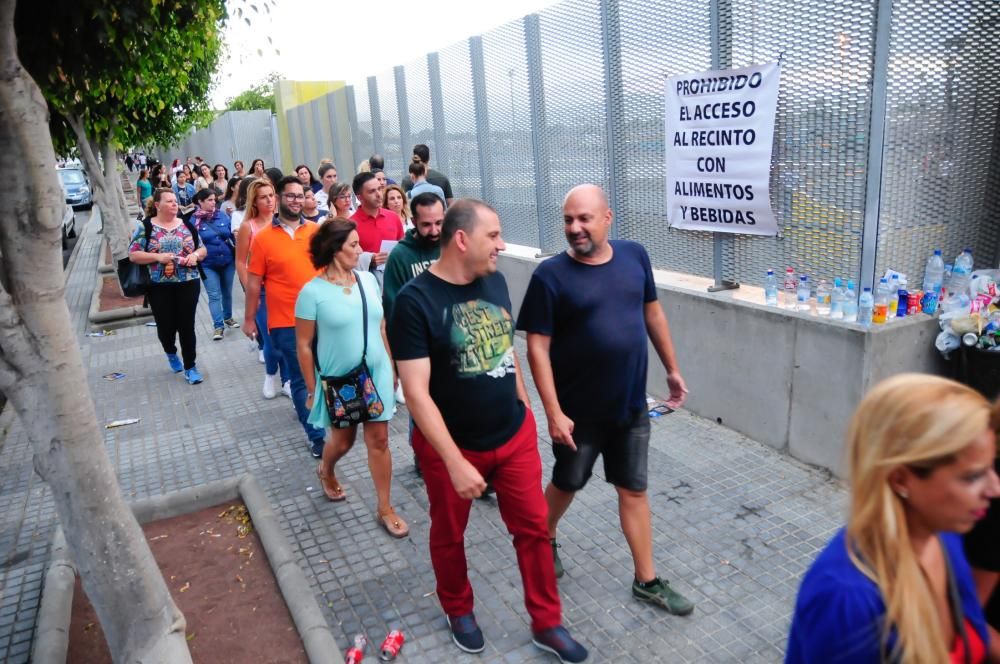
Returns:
(347, 284)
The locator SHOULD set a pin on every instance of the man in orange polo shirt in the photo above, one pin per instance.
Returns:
(279, 257)
(375, 223)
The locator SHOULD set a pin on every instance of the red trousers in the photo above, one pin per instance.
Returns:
(515, 469)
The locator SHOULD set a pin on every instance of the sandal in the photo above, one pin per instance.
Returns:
(392, 523)
(331, 487)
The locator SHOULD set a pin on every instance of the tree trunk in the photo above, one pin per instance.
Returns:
(116, 227)
(42, 375)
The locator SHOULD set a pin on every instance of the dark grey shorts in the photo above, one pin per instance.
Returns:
(625, 449)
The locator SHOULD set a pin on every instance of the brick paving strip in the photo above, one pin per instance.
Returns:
(735, 523)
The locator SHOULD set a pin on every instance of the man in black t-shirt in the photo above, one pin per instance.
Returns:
(452, 337)
(588, 313)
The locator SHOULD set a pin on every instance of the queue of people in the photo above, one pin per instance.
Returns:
(396, 288)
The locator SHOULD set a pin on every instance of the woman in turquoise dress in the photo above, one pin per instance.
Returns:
(330, 307)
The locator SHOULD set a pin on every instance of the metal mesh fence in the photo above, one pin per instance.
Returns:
(243, 135)
(941, 135)
(575, 94)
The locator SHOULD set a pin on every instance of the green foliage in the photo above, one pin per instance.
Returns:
(256, 97)
(134, 71)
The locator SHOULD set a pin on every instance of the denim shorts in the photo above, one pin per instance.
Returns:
(625, 449)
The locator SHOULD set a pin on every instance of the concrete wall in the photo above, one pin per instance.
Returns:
(786, 379)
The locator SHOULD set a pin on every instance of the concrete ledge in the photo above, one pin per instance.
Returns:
(786, 379)
(52, 635)
(127, 315)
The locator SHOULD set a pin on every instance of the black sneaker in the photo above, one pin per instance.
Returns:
(555, 559)
(660, 593)
(316, 447)
(558, 642)
(466, 634)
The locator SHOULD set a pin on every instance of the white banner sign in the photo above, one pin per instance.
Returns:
(719, 131)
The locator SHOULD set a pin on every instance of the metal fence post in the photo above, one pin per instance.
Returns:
(487, 185)
(352, 120)
(614, 106)
(404, 113)
(275, 140)
(317, 153)
(378, 145)
(539, 125)
(722, 58)
(437, 110)
(876, 144)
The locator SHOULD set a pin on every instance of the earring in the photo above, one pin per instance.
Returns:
(903, 494)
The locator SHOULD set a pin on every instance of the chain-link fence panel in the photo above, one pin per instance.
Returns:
(234, 135)
(364, 144)
(821, 137)
(461, 163)
(939, 187)
(392, 151)
(575, 135)
(654, 39)
(419, 104)
(505, 71)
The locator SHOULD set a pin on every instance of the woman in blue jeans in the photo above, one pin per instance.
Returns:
(214, 230)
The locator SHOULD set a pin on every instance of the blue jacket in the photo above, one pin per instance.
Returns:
(839, 610)
(216, 235)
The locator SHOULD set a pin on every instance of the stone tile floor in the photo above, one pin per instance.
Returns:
(735, 523)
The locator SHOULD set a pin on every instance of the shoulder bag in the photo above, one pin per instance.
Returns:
(351, 398)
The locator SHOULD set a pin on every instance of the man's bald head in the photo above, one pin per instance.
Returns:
(587, 218)
(587, 193)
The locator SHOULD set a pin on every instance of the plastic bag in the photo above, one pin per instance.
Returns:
(947, 341)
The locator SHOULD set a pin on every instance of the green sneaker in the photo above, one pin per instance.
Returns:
(660, 593)
(555, 559)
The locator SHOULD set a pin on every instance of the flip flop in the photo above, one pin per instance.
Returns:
(331, 487)
(392, 523)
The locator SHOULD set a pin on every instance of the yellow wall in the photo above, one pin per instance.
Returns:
(288, 95)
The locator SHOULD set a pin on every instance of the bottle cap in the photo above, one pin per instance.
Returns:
(937, 252)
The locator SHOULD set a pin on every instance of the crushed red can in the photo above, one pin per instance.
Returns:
(356, 653)
(391, 646)
(913, 306)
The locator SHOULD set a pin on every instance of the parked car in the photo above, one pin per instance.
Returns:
(68, 226)
(76, 188)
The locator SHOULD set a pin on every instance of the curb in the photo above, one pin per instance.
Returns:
(52, 631)
(129, 314)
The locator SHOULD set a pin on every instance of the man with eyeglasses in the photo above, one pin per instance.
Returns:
(327, 174)
(280, 257)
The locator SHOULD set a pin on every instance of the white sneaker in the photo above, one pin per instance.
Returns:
(260, 356)
(270, 386)
(399, 395)
(286, 388)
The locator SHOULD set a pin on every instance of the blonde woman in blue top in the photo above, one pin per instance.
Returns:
(330, 306)
(894, 585)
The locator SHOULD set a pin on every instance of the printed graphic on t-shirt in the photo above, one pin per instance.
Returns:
(482, 339)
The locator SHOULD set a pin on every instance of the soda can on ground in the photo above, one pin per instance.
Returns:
(356, 653)
(391, 646)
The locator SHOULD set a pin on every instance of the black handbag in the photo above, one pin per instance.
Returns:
(352, 398)
(134, 278)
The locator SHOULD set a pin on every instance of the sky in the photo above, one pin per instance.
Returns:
(312, 40)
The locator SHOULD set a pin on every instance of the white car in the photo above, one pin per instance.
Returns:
(68, 226)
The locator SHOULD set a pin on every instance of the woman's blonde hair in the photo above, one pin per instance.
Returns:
(406, 205)
(921, 422)
(255, 186)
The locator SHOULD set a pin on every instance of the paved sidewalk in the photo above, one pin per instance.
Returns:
(736, 523)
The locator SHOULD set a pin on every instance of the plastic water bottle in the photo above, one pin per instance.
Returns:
(893, 295)
(851, 303)
(865, 307)
(823, 298)
(880, 308)
(961, 271)
(771, 289)
(788, 289)
(837, 300)
(802, 294)
(933, 279)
